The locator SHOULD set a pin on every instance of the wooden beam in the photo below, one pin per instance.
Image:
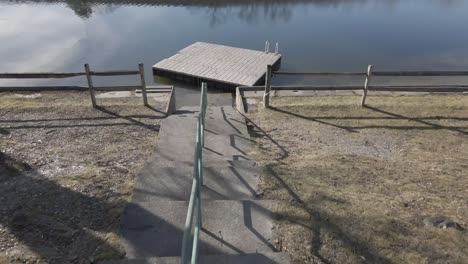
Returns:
(426, 89)
(266, 95)
(421, 73)
(387, 73)
(90, 85)
(141, 67)
(74, 88)
(316, 88)
(322, 73)
(303, 88)
(116, 88)
(171, 104)
(366, 85)
(113, 73)
(42, 88)
(40, 75)
(240, 101)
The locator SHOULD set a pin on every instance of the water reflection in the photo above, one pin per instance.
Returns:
(322, 35)
(250, 10)
(251, 14)
(81, 8)
(218, 11)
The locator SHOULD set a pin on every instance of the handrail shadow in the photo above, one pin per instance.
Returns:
(284, 152)
(312, 119)
(316, 229)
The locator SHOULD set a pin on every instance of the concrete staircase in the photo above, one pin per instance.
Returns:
(236, 224)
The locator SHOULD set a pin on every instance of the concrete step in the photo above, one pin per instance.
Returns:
(188, 110)
(218, 121)
(221, 112)
(255, 258)
(175, 183)
(206, 163)
(209, 160)
(184, 125)
(217, 147)
(155, 228)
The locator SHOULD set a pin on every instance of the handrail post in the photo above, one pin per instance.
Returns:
(199, 175)
(196, 232)
(203, 99)
(200, 150)
(141, 68)
(266, 95)
(366, 85)
(90, 84)
(188, 220)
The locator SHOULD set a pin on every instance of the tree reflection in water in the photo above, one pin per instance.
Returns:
(250, 11)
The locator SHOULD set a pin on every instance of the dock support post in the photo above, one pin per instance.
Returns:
(141, 67)
(266, 96)
(90, 84)
(366, 85)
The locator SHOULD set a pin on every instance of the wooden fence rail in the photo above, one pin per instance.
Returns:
(114, 73)
(322, 73)
(421, 73)
(88, 73)
(367, 87)
(70, 88)
(41, 75)
(390, 73)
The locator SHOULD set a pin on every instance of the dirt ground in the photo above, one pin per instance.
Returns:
(66, 172)
(354, 184)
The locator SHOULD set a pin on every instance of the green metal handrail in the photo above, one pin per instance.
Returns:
(195, 195)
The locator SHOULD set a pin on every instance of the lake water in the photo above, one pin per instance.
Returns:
(322, 35)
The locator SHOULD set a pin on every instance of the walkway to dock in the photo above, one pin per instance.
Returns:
(236, 224)
(220, 66)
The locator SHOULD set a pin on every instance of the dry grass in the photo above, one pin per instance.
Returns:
(66, 173)
(354, 184)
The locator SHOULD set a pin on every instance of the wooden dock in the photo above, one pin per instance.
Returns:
(220, 66)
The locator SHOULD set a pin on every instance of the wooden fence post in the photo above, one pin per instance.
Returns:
(266, 96)
(366, 85)
(90, 85)
(143, 83)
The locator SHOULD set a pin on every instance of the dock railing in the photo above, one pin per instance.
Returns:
(87, 72)
(368, 74)
(195, 195)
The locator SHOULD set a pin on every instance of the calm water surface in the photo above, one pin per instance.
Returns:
(334, 35)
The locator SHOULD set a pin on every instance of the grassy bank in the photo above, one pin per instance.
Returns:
(355, 184)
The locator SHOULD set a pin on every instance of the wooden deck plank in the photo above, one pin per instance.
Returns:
(219, 63)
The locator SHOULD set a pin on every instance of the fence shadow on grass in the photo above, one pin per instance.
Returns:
(421, 120)
(256, 131)
(321, 223)
(315, 223)
(387, 116)
(115, 120)
(129, 119)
